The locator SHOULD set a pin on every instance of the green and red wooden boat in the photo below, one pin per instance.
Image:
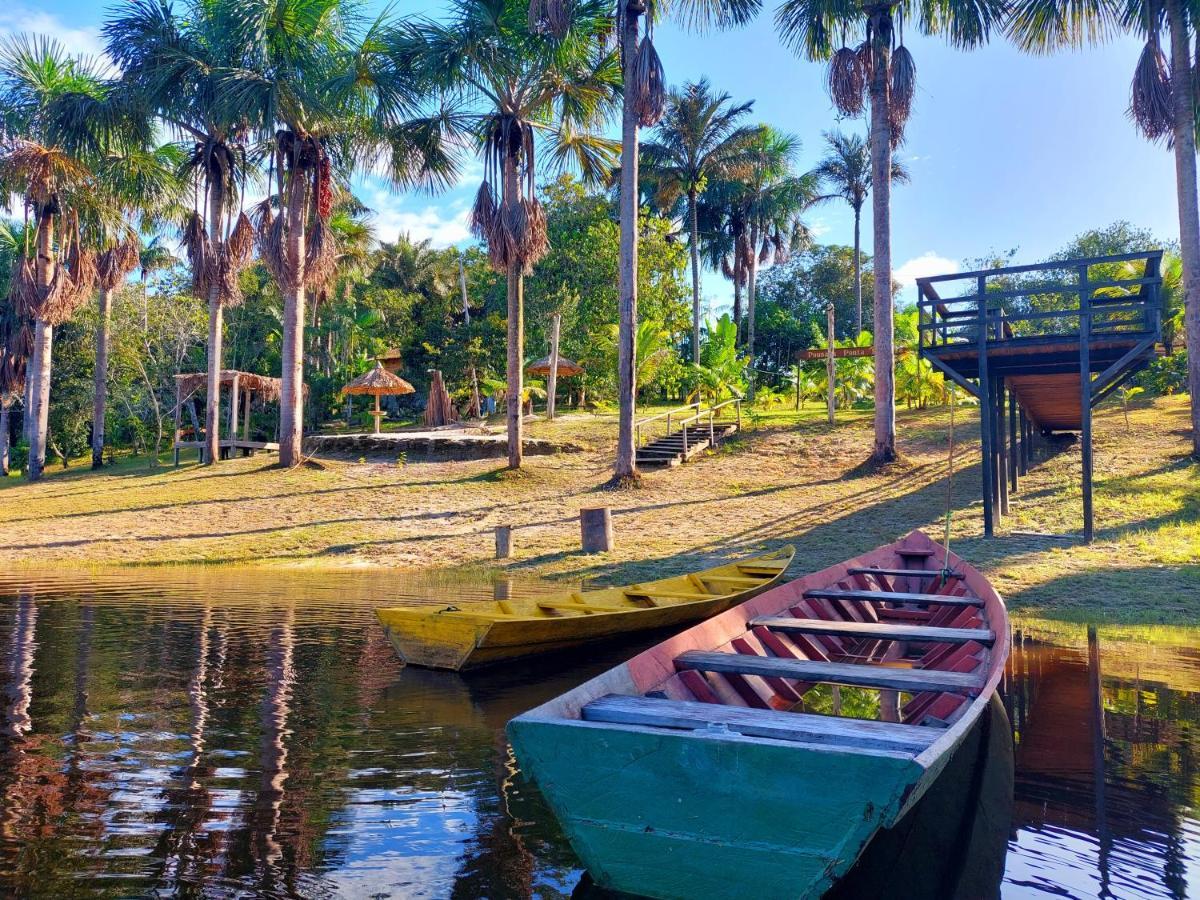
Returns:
(725, 762)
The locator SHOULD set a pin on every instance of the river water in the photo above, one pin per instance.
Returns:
(204, 732)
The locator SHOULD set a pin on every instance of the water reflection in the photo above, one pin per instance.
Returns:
(239, 733)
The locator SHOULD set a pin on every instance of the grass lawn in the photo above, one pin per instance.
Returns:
(788, 478)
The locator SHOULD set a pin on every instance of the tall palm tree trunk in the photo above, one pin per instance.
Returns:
(1184, 132)
(514, 411)
(881, 198)
(4, 426)
(100, 378)
(626, 462)
(216, 333)
(43, 343)
(751, 291)
(694, 228)
(291, 400)
(737, 310)
(858, 266)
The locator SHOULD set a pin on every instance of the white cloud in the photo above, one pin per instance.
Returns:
(928, 263)
(443, 223)
(21, 19)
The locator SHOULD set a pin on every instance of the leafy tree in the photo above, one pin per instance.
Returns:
(700, 138)
(845, 170)
(720, 372)
(513, 84)
(879, 73)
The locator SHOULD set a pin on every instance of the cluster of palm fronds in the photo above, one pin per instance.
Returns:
(647, 88)
(71, 282)
(514, 229)
(306, 192)
(550, 17)
(1150, 93)
(217, 264)
(879, 58)
(115, 262)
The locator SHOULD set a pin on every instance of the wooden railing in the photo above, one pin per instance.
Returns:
(697, 413)
(1013, 304)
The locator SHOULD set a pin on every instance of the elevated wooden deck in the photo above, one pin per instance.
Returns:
(1040, 346)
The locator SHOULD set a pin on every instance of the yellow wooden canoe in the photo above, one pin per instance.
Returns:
(487, 632)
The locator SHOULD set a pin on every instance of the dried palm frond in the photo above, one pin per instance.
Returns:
(781, 251)
(320, 255)
(240, 244)
(726, 268)
(537, 241)
(113, 264)
(550, 17)
(23, 291)
(647, 87)
(903, 87)
(865, 54)
(199, 253)
(324, 187)
(483, 214)
(847, 82)
(272, 247)
(1150, 94)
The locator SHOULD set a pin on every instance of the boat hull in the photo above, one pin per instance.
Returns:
(768, 821)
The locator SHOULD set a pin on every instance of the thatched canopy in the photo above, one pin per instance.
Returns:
(378, 381)
(391, 359)
(566, 367)
(266, 387)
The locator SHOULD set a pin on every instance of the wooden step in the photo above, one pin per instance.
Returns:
(912, 573)
(879, 631)
(893, 597)
(878, 677)
(808, 728)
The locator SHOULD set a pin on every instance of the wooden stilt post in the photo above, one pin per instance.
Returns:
(246, 451)
(233, 415)
(178, 412)
(1013, 446)
(1001, 445)
(377, 413)
(985, 410)
(1085, 400)
(1024, 454)
(829, 365)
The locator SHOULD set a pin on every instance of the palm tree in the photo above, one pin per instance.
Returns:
(699, 139)
(15, 337)
(879, 72)
(174, 62)
(60, 115)
(1162, 106)
(643, 103)
(846, 170)
(773, 200)
(725, 237)
(512, 87)
(143, 185)
(321, 93)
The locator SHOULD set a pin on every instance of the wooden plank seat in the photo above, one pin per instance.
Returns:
(585, 607)
(879, 631)
(908, 573)
(892, 597)
(878, 677)
(807, 728)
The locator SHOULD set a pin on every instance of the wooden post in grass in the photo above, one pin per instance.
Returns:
(503, 541)
(595, 526)
(829, 369)
(552, 378)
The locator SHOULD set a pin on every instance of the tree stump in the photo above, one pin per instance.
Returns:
(595, 526)
(503, 541)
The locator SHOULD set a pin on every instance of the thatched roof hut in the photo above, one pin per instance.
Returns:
(377, 382)
(266, 387)
(566, 367)
(391, 360)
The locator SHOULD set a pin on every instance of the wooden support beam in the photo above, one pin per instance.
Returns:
(1085, 387)
(877, 677)
(879, 631)
(985, 409)
(1013, 445)
(893, 597)
(1002, 446)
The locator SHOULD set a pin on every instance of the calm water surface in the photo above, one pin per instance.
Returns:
(239, 733)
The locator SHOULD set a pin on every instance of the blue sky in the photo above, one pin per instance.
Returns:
(1006, 150)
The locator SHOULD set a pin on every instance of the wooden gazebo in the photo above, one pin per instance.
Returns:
(242, 387)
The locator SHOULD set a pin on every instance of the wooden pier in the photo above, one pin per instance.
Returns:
(1040, 346)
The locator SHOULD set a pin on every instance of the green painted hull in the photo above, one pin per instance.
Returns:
(695, 815)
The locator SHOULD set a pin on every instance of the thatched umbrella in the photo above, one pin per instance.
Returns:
(378, 382)
(566, 367)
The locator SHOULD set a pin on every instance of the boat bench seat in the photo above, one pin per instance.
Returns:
(884, 678)
(907, 573)
(892, 597)
(879, 631)
(807, 728)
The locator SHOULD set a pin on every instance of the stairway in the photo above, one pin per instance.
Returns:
(669, 449)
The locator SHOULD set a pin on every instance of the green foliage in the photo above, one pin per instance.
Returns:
(1166, 374)
(721, 371)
